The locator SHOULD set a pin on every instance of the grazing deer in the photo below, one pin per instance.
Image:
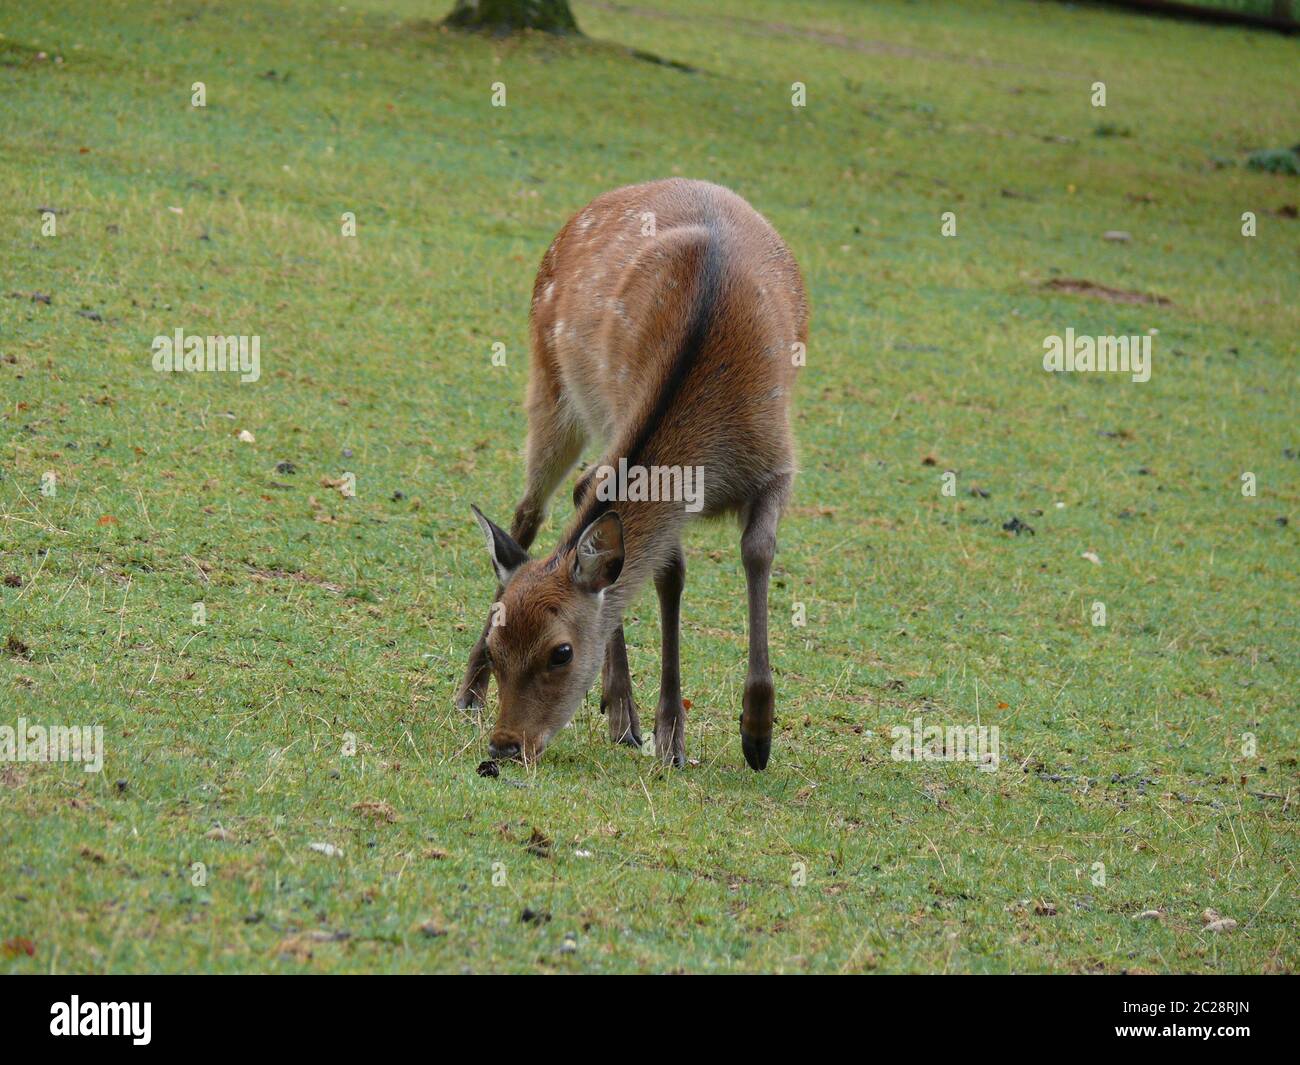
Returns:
(668, 322)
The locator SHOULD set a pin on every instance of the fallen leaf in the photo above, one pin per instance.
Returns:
(246, 437)
(343, 485)
(327, 849)
(19, 945)
(296, 947)
(1091, 556)
(1214, 922)
(539, 844)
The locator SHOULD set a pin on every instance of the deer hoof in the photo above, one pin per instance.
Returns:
(757, 749)
(469, 699)
(624, 722)
(670, 742)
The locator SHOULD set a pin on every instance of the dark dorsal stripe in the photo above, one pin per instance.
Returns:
(707, 288)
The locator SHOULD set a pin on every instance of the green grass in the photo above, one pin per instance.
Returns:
(1246, 7)
(1120, 744)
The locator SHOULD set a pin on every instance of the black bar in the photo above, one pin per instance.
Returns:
(222, 1014)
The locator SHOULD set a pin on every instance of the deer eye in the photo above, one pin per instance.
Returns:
(561, 656)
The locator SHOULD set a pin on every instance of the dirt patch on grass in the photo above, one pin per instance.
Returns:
(301, 578)
(14, 646)
(1078, 287)
(831, 38)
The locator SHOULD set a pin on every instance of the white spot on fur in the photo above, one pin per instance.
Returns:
(550, 291)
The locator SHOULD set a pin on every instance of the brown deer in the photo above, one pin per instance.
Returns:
(668, 322)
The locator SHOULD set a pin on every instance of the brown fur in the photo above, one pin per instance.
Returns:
(615, 361)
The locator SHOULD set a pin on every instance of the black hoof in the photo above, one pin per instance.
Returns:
(631, 739)
(757, 749)
(469, 700)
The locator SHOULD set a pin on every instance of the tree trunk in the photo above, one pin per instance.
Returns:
(511, 16)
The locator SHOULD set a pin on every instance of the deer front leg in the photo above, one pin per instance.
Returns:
(554, 444)
(670, 714)
(472, 693)
(616, 693)
(757, 547)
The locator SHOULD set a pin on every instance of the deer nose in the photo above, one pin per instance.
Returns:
(505, 750)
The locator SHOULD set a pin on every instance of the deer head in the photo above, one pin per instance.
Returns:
(547, 634)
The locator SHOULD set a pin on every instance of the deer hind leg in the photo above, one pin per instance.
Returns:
(554, 444)
(670, 714)
(757, 547)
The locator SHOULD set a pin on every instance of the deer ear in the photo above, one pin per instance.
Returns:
(598, 557)
(507, 556)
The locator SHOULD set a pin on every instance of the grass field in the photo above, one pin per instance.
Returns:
(1127, 780)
